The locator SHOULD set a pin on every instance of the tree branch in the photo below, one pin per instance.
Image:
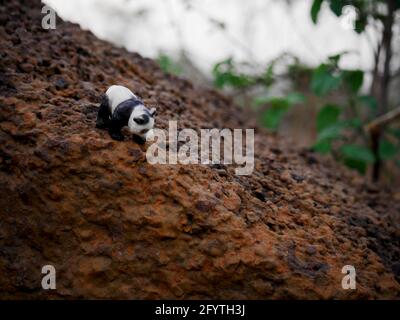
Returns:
(378, 123)
(387, 45)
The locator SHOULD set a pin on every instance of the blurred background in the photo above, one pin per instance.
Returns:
(323, 73)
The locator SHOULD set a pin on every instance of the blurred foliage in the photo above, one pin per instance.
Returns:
(227, 74)
(365, 9)
(168, 65)
(340, 126)
(279, 106)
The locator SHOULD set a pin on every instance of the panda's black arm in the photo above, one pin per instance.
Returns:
(114, 129)
(104, 114)
(120, 119)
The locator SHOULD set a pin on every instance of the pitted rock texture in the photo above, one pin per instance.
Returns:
(116, 227)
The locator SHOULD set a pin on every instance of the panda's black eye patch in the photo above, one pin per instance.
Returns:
(143, 119)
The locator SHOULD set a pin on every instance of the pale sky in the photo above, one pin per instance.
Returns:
(257, 30)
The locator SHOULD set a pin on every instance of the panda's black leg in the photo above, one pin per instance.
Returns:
(138, 139)
(103, 116)
(114, 129)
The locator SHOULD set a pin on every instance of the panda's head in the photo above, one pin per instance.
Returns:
(141, 120)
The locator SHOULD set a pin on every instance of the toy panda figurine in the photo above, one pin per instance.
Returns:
(120, 108)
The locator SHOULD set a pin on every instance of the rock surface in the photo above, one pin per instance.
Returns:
(115, 226)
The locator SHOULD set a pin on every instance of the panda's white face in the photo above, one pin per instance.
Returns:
(141, 120)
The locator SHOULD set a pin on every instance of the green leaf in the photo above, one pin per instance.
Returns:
(334, 131)
(360, 24)
(353, 79)
(273, 116)
(279, 102)
(268, 76)
(261, 100)
(357, 152)
(168, 65)
(330, 129)
(291, 99)
(360, 166)
(325, 138)
(387, 150)
(323, 146)
(323, 81)
(357, 157)
(394, 132)
(369, 101)
(315, 8)
(327, 116)
(330, 133)
(355, 123)
(225, 74)
(335, 59)
(295, 98)
(337, 6)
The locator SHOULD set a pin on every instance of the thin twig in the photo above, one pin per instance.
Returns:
(383, 120)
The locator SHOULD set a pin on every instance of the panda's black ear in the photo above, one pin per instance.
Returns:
(153, 112)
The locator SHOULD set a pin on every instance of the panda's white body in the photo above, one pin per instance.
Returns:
(123, 108)
(117, 94)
